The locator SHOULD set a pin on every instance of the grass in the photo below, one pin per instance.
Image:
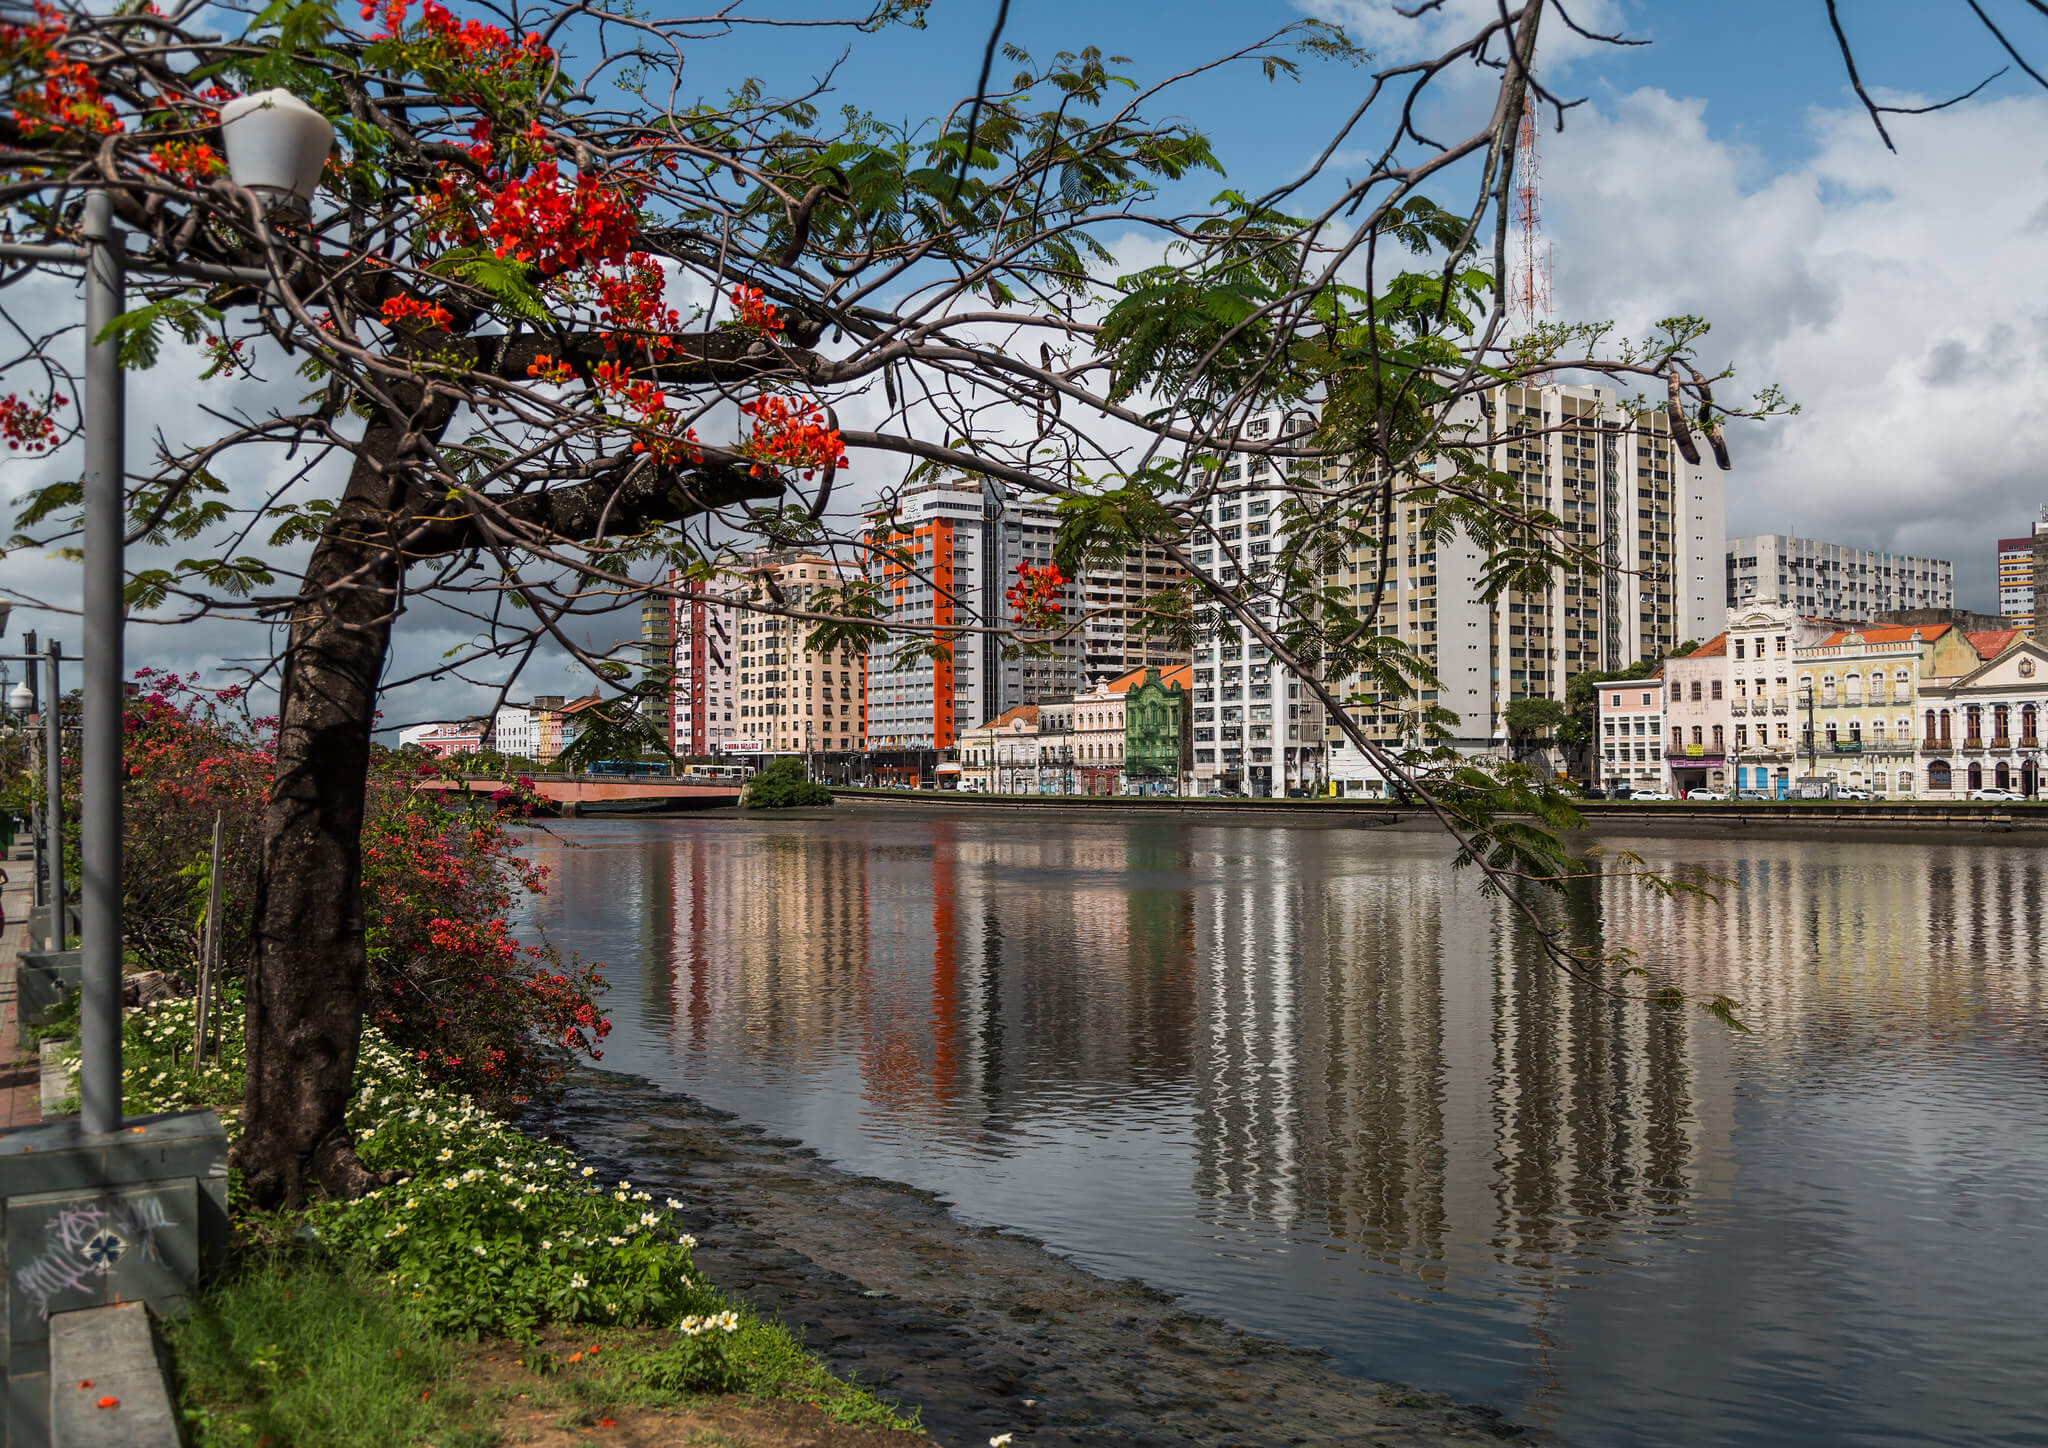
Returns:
(306, 1353)
(354, 1323)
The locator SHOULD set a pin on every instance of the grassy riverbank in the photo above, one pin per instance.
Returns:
(500, 1293)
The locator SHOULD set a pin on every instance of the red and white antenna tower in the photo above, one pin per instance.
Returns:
(1529, 282)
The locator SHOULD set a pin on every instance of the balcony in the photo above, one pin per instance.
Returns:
(1738, 707)
(1973, 741)
(2001, 741)
(1780, 706)
(1935, 743)
(2030, 741)
(1845, 746)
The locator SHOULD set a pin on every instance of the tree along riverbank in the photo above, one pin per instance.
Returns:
(1978, 822)
(987, 1331)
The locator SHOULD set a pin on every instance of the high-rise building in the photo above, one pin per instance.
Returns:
(2016, 580)
(945, 557)
(1256, 728)
(1115, 637)
(794, 699)
(1834, 580)
(1649, 522)
(657, 652)
(703, 715)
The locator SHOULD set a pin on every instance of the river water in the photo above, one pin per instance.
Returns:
(1321, 1086)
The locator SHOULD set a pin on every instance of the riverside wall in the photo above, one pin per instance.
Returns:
(1974, 819)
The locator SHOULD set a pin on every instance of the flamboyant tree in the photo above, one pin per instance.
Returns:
(564, 320)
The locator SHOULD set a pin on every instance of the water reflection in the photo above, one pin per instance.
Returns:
(1311, 1080)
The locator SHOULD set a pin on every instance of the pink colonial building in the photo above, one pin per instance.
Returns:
(1629, 748)
(1697, 718)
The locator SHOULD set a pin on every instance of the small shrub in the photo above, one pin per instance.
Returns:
(784, 784)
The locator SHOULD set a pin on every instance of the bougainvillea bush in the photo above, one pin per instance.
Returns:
(473, 1006)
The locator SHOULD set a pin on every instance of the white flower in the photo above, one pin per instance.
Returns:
(479, 1250)
(625, 1186)
(674, 1205)
(616, 1241)
(590, 1171)
(686, 1240)
(648, 1219)
(519, 1204)
(547, 1244)
(1001, 1440)
(578, 1282)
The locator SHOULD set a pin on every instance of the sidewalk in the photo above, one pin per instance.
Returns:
(20, 1073)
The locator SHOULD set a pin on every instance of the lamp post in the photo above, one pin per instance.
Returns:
(276, 146)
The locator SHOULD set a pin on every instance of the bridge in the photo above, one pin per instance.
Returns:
(591, 794)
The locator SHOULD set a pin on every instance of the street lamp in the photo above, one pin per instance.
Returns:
(276, 146)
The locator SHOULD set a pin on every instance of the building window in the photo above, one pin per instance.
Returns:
(1695, 691)
(1717, 688)
(1938, 775)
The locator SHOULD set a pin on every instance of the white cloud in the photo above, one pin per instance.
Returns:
(1900, 299)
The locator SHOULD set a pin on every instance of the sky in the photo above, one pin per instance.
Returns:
(1723, 169)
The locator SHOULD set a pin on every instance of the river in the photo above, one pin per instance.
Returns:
(1318, 1084)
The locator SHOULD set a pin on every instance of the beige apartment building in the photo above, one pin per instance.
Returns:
(1656, 576)
(793, 700)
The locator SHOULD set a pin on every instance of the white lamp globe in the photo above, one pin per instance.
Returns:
(276, 143)
(21, 698)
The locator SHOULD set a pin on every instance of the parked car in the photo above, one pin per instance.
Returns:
(1996, 794)
(1755, 794)
(1707, 794)
(1592, 791)
(1654, 796)
(1852, 794)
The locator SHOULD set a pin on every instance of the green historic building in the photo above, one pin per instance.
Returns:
(1156, 755)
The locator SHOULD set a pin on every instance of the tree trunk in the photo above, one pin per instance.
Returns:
(307, 987)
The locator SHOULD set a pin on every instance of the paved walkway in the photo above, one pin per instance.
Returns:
(20, 1073)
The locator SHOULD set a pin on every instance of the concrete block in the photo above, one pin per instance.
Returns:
(28, 1410)
(114, 1349)
(56, 1080)
(42, 981)
(68, 1251)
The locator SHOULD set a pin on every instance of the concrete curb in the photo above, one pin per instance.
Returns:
(107, 1383)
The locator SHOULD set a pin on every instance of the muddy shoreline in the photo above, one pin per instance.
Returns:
(985, 1331)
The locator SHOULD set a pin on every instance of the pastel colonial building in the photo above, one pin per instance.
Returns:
(1764, 640)
(1157, 756)
(1631, 734)
(1697, 716)
(1982, 728)
(1856, 693)
(1001, 756)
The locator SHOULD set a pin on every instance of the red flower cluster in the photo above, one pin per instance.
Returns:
(28, 425)
(560, 228)
(465, 45)
(413, 312)
(69, 97)
(755, 310)
(192, 162)
(225, 358)
(791, 434)
(1034, 597)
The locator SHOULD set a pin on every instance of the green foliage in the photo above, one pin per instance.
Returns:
(344, 1341)
(307, 1351)
(140, 331)
(1582, 700)
(784, 784)
(1533, 718)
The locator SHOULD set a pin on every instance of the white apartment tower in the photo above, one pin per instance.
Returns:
(1834, 580)
(1256, 728)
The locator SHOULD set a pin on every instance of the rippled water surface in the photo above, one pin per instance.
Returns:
(1313, 1082)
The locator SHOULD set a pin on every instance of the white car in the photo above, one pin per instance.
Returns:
(1852, 794)
(1998, 794)
(1709, 794)
(1654, 796)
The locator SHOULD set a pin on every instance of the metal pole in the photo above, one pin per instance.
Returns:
(53, 786)
(99, 1082)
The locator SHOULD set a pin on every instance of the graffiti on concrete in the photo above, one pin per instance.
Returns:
(85, 1241)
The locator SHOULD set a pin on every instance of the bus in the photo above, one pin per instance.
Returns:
(715, 773)
(632, 768)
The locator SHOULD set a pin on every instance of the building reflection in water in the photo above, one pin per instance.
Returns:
(1362, 1050)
